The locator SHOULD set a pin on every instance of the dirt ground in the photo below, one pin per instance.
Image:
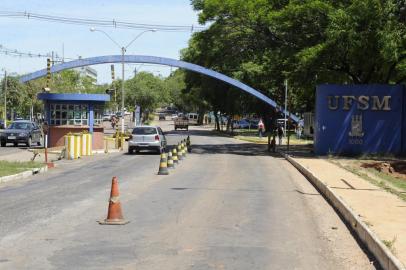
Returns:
(395, 169)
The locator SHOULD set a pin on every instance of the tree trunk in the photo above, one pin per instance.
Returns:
(228, 124)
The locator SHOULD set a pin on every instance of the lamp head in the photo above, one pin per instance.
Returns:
(92, 29)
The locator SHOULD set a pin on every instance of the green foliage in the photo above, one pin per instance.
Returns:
(21, 97)
(264, 42)
(145, 90)
(10, 168)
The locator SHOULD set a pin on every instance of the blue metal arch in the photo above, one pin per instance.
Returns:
(153, 60)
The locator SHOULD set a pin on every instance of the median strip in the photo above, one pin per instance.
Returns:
(10, 171)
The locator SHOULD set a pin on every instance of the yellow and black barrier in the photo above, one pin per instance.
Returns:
(171, 164)
(163, 165)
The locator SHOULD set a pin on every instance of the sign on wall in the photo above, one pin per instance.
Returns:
(359, 119)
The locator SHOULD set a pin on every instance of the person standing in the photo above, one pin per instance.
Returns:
(280, 134)
(261, 128)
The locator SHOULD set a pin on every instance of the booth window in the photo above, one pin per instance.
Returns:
(98, 114)
(68, 114)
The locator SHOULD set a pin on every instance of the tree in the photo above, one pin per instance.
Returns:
(145, 90)
(264, 42)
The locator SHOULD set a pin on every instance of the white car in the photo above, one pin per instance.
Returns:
(147, 138)
(174, 116)
(107, 117)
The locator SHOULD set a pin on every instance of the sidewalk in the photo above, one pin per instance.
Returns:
(25, 155)
(384, 213)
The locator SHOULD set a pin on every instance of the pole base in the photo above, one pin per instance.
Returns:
(50, 165)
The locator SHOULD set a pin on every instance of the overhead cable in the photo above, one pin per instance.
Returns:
(101, 23)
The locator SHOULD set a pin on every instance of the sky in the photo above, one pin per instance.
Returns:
(76, 40)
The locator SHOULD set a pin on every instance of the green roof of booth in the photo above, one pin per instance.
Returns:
(74, 97)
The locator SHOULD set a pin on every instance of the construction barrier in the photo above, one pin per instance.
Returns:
(86, 144)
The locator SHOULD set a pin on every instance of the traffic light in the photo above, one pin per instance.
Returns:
(112, 72)
(109, 91)
(48, 72)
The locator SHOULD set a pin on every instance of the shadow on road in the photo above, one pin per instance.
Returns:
(243, 149)
(205, 133)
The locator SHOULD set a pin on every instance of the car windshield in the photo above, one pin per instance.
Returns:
(144, 131)
(17, 125)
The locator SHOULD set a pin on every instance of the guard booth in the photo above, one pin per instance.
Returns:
(74, 113)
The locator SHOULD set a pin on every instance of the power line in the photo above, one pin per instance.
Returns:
(102, 23)
(17, 53)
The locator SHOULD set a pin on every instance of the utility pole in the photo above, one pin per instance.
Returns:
(122, 90)
(63, 53)
(5, 98)
(286, 103)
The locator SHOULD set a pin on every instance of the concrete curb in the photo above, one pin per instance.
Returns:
(23, 175)
(101, 151)
(385, 257)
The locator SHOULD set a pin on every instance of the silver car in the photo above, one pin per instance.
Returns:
(147, 138)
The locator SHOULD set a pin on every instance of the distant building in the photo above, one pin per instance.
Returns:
(87, 72)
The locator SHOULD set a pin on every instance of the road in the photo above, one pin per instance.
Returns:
(228, 205)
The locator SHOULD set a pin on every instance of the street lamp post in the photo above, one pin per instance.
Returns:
(5, 97)
(123, 51)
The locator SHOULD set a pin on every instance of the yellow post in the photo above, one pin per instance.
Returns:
(117, 142)
(70, 146)
(86, 149)
(122, 142)
(106, 149)
(77, 145)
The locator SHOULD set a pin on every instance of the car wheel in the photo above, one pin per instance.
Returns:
(29, 142)
(3, 144)
(130, 151)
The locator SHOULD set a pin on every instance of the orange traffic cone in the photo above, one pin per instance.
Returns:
(114, 214)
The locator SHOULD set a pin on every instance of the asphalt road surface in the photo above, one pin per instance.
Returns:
(228, 205)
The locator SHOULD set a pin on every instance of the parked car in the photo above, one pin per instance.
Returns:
(106, 117)
(2, 125)
(241, 124)
(174, 116)
(21, 131)
(147, 138)
(253, 123)
(119, 114)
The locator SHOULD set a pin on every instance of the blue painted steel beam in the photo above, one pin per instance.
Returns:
(154, 60)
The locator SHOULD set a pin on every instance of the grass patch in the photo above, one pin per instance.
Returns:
(399, 183)
(263, 140)
(253, 136)
(390, 244)
(10, 168)
(383, 183)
